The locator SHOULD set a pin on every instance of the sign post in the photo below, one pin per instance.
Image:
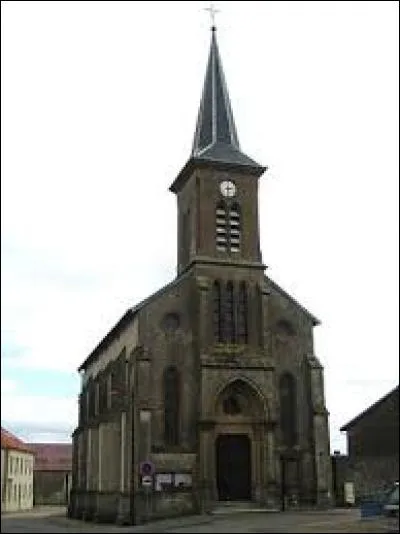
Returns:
(146, 469)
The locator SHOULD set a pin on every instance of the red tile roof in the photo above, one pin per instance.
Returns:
(52, 456)
(9, 441)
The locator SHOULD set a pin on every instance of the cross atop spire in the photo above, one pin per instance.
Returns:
(213, 12)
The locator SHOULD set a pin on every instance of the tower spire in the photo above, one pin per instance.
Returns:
(215, 140)
(215, 137)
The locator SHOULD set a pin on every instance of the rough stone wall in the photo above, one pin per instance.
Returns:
(166, 335)
(50, 487)
(373, 444)
(372, 474)
(197, 203)
(291, 333)
(376, 433)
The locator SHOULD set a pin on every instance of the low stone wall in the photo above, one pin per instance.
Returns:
(162, 505)
(50, 487)
(106, 507)
(114, 507)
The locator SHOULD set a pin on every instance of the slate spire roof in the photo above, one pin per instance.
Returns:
(215, 137)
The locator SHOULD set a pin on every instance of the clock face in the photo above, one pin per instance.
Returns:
(228, 188)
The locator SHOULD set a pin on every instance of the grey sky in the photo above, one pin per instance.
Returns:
(99, 104)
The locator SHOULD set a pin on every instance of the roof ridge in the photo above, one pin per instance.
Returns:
(369, 409)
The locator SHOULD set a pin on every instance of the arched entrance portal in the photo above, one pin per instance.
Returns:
(239, 442)
(233, 452)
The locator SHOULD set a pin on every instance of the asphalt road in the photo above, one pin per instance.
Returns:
(329, 521)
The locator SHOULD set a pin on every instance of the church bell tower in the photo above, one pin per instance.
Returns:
(217, 189)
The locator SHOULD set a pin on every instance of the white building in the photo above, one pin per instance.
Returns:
(16, 474)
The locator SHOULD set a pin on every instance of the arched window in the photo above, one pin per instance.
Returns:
(220, 227)
(287, 396)
(217, 311)
(242, 333)
(171, 405)
(234, 227)
(229, 314)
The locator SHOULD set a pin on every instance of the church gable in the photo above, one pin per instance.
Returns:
(165, 316)
(286, 314)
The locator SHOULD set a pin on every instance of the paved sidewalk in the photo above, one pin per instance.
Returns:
(159, 525)
(36, 511)
(45, 519)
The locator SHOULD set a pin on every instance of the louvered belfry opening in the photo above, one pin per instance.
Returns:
(227, 227)
(221, 227)
(234, 228)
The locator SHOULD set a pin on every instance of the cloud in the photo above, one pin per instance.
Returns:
(90, 148)
(8, 386)
(36, 433)
(29, 415)
(55, 314)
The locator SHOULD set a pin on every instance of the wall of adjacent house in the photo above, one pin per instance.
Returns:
(373, 444)
(3, 477)
(18, 485)
(50, 487)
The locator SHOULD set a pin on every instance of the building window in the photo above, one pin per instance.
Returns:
(287, 395)
(103, 401)
(234, 228)
(217, 311)
(220, 227)
(97, 398)
(242, 314)
(109, 390)
(91, 392)
(171, 405)
(229, 314)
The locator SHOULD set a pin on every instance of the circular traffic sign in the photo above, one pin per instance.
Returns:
(146, 468)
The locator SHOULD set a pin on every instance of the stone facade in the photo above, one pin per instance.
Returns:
(213, 379)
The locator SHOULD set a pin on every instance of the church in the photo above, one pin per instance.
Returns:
(209, 391)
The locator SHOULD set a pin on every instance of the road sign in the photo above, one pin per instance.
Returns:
(147, 480)
(146, 468)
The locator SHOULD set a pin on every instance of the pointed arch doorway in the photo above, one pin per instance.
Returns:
(233, 455)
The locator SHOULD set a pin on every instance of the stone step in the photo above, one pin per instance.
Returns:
(234, 507)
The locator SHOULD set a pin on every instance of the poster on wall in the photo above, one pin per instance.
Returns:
(183, 480)
(163, 481)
